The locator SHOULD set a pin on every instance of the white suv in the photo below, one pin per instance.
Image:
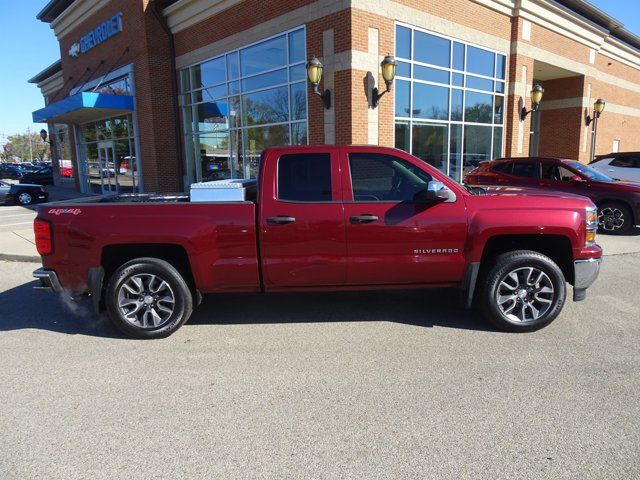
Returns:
(622, 166)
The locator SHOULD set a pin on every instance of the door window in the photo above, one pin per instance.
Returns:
(524, 169)
(556, 173)
(305, 177)
(385, 178)
(626, 162)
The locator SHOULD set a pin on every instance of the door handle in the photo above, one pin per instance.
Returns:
(363, 218)
(280, 220)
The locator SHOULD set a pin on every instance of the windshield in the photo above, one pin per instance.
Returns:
(594, 175)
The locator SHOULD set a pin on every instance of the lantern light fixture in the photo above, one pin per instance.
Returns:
(314, 75)
(598, 108)
(536, 97)
(388, 66)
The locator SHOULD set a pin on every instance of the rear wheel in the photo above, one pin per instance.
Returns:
(614, 218)
(148, 298)
(25, 198)
(523, 291)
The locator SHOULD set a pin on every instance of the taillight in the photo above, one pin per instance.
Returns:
(44, 239)
(42, 189)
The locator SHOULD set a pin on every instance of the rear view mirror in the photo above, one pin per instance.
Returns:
(437, 191)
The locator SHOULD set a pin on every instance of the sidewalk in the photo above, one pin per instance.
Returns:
(17, 242)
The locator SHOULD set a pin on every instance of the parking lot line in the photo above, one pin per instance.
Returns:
(14, 224)
(19, 215)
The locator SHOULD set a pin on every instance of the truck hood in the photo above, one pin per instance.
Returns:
(525, 192)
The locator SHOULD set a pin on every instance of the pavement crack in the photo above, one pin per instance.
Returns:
(24, 238)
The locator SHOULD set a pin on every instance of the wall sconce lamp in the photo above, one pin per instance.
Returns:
(314, 74)
(388, 65)
(598, 108)
(536, 98)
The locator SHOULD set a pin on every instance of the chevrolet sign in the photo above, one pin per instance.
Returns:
(99, 34)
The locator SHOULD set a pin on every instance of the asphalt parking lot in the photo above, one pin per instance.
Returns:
(347, 385)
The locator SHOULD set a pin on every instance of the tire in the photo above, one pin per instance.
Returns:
(156, 299)
(25, 198)
(540, 306)
(614, 218)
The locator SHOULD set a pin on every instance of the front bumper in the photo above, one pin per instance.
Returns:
(48, 281)
(585, 273)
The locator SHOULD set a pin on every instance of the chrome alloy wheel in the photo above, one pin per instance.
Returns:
(24, 198)
(610, 219)
(146, 300)
(525, 294)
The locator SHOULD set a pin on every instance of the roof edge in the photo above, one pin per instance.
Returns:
(50, 71)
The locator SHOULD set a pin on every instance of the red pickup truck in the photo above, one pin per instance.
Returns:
(324, 218)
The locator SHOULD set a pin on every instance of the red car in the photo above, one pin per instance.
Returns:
(324, 217)
(618, 202)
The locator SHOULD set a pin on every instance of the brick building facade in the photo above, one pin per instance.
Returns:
(213, 82)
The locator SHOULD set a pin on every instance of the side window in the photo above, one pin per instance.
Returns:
(305, 177)
(503, 167)
(557, 173)
(385, 178)
(524, 169)
(624, 162)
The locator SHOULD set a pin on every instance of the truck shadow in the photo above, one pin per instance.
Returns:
(21, 308)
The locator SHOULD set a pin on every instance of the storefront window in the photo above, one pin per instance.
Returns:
(239, 103)
(449, 100)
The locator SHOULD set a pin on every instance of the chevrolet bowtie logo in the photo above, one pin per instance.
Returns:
(74, 51)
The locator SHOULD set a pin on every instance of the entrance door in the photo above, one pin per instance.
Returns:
(108, 171)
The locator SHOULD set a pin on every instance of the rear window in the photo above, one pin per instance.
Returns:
(524, 169)
(305, 177)
(503, 167)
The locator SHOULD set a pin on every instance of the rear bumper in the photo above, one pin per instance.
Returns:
(585, 273)
(48, 281)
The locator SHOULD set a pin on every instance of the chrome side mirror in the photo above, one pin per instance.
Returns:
(437, 191)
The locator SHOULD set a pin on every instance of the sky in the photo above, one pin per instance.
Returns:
(27, 46)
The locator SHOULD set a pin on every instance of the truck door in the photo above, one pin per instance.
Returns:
(394, 235)
(303, 238)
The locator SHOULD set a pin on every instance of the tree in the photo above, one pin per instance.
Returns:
(27, 147)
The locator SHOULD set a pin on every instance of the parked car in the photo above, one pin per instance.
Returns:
(42, 176)
(8, 170)
(22, 194)
(623, 165)
(323, 218)
(618, 202)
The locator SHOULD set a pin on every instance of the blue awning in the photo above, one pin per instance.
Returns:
(84, 107)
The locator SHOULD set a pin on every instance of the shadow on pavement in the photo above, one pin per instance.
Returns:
(22, 308)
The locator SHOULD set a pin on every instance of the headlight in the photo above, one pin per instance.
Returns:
(592, 226)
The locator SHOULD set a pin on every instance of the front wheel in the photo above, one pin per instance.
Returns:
(614, 218)
(148, 298)
(523, 291)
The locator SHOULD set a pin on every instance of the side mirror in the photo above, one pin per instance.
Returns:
(438, 192)
(577, 179)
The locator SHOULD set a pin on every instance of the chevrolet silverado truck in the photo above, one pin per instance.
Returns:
(323, 218)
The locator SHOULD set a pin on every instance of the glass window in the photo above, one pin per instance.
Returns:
(505, 167)
(455, 152)
(430, 101)
(458, 56)
(430, 143)
(501, 61)
(263, 56)
(477, 146)
(266, 106)
(498, 107)
(524, 169)
(558, 173)
(479, 83)
(457, 79)
(380, 178)
(403, 93)
(626, 162)
(403, 42)
(456, 104)
(497, 142)
(429, 74)
(480, 61)
(297, 47)
(478, 107)
(431, 49)
(402, 131)
(263, 84)
(305, 177)
(403, 69)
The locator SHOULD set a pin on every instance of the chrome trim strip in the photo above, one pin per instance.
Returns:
(49, 281)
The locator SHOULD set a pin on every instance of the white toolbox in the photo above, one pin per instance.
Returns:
(221, 190)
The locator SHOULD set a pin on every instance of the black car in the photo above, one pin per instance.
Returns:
(43, 176)
(22, 194)
(8, 170)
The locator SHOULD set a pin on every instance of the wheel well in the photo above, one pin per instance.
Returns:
(113, 256)
(556, 247)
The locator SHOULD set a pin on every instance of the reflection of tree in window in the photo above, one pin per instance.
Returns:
(269, 106)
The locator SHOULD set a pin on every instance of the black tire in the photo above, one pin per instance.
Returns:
(177, 288)
(614, 218)
(497, 285)
(24, 198)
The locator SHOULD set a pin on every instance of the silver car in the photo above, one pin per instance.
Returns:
(623, 166)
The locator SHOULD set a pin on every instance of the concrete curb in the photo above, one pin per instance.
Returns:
(14, 257)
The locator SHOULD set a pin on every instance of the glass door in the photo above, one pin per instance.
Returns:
(108, 174)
